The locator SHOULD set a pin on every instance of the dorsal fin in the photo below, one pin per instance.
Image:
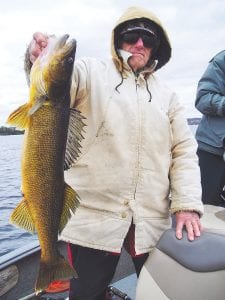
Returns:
(74, 137)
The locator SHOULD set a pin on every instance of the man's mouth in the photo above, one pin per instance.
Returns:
(137, 54)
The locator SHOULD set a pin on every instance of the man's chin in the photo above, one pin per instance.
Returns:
(137, 64)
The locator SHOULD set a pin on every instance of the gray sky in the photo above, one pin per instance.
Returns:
(196, 29)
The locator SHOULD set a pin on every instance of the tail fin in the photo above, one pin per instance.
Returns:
(61, 270)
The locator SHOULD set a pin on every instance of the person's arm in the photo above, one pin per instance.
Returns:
(210, 99)
(184, 174)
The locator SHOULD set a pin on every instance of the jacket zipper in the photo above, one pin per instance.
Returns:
(138, 142)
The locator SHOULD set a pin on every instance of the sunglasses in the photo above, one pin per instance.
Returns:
(149, 41)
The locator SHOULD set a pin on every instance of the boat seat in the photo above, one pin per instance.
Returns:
(205, 254)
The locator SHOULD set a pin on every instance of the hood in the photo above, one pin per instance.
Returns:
(163, 53)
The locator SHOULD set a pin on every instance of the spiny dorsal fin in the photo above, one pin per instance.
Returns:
(74, 137)
(22, 217)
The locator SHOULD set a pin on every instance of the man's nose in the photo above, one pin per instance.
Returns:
(139, 42)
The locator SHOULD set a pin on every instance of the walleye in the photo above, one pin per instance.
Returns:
(47, 200)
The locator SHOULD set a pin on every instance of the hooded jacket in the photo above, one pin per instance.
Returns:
(210, 101)
(138, 160)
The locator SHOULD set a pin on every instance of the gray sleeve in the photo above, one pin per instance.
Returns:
(210, 98)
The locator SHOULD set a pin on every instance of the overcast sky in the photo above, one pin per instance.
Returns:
(196, 29)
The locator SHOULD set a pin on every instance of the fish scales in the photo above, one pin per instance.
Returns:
(42, 173)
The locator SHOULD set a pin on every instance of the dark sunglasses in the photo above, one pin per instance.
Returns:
(149, 41)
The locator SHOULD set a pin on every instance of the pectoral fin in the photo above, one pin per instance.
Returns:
(20, 117)
(37, 105)
(74, 137)
(22, 217)
(71, 202)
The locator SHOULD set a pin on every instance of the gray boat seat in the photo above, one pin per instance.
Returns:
(205, 254)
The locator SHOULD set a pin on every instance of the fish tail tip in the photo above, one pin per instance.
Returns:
(53, 272)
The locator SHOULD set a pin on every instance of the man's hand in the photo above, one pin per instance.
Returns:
(36, 46)
(189, 220)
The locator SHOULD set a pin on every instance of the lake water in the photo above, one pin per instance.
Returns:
(11, 237)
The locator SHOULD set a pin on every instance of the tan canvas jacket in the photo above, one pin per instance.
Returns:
(138, 159)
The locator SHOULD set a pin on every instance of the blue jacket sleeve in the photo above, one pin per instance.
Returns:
(210, 98)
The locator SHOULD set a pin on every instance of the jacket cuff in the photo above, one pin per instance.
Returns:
(174, 211)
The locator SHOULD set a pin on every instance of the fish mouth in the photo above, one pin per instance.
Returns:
(61, 41)
(68, 48)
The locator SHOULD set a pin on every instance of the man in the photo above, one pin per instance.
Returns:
(210, 134)
(138, 160)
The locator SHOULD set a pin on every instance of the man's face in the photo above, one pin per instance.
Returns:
(140, 53)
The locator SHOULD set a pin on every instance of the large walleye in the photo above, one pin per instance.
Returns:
(47, 200)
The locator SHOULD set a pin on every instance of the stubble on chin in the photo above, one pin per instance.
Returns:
(137, 62)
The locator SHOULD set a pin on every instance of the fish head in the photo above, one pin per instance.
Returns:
(52, 71)
(57, 73)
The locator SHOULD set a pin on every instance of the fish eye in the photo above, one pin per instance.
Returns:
(70, 60)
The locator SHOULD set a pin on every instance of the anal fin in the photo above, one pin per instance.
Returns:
(22, 217)
(71, 202)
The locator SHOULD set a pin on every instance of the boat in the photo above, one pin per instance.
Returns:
(19, 268)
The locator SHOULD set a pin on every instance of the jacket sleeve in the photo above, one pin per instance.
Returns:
(184, 171)
(210, 98)
(80, 84)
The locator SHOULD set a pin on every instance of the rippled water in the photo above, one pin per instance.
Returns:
(11, 237)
